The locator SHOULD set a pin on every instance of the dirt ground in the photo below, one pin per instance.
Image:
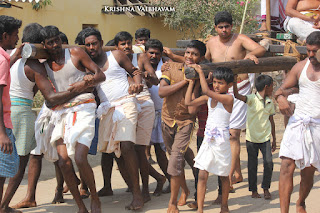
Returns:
(238, 202)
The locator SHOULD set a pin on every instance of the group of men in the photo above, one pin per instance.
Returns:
(138, 103)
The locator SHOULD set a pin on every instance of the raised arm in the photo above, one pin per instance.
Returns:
(172, 56)
(222, 98)
(149, 73)
(236, 92)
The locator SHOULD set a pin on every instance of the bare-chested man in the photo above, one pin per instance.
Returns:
(302, 17)
(228, 46)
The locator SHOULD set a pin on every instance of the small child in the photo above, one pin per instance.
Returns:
(214, 155)
(260, 126)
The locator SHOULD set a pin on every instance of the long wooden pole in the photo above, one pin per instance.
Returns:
(243, 16)
(266, 64)
(268, 16)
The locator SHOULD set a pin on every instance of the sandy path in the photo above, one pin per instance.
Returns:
(238, 202)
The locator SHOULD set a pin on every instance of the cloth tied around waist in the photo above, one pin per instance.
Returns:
(215, 135)
(16, 101)
(118, 113)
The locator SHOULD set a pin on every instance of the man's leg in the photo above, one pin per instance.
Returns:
(163, 163)
(306, 185)
(106, 167)
(58, 197)
(65, 165)
(14, 182)
(131, 163)
(235, 151)
(123, 171)
(253, 151)
(286, 183)
(86, 173)
(160, 180)
(144, 171)
(2, 180)
(265, 149)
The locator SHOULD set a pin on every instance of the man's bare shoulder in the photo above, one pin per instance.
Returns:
(298, 67)
(212, 40)
(34, 65)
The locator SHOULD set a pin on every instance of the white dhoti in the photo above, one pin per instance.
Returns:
(214, 154)
(299, 27)
(43, 131)
(301, 141)
(118, 122)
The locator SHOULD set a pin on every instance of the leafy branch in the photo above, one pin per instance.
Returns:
(41, 4)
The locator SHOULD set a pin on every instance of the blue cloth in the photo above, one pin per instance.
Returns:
(9, 163)
(94, 144)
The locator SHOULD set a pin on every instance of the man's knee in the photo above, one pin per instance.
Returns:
(202, 176)
(235, 135)
(64, 163)
(287, 167)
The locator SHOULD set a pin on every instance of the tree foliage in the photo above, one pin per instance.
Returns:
(195, 18)
(41, 4)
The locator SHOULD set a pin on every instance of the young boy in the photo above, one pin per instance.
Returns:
(142, 35)
(214, 155)
(177, 122)
(260, 126)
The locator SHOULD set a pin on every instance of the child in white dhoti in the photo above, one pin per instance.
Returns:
(214, 155)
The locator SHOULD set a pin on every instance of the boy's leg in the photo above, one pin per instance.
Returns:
(306, 185)
(159, 178)
(81, 159)
(106, 167)
(253, 151)
(225, 182)
(235, 151)
(267, 168)
(2, 180)
(201, 190)
(58, 197)
(286, 183)
(218, 200)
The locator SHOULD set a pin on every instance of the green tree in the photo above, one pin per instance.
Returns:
(195, 18)
(41, 4)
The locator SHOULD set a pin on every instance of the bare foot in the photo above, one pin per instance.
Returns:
(159, 187)
(83, 211)
(58, 197)
(237, 179)
(224, 209)
(301, 207)
(193, 205)
(25, 204)
(218, 200)
(105, 192)
(183, 198)
(167, 190)
(84, 193)
(232, 190)
(65, 189)
(267, 195)
(146, 197)
(136, 204)
(95, 206)
(255, 195)
(172, 209)
(9, 210)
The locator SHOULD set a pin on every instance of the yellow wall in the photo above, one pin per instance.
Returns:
(69, 15)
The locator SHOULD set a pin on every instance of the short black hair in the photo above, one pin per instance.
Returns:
(31, 33)
(142, 32)
(89, 31)
(64, 38)
(313, 38)
(153, 43)
(122, 36)
(49, 31)
(222, 16)
(199, 45)
(110, 43)
(223, 73)
(262, 81)
(8, 24)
